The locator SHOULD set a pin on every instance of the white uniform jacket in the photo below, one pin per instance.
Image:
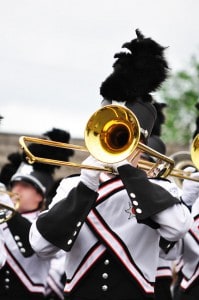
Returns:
(126, 216)
(56, 275)
(30, 269)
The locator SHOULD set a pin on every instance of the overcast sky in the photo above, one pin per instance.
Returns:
(54, 54)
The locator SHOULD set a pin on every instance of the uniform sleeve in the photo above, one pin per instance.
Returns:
(61, 224)
(19, 228)
(155, 204)
(147, 197)
(40, 245)
(174, 222)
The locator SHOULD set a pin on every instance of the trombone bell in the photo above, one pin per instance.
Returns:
(112, 133)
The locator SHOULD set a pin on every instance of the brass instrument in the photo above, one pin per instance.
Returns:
(182, 160)
(194, 151)
(112, 134)
(178, 173)
(7, 211)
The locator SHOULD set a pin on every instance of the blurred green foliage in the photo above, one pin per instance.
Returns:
(181, 93)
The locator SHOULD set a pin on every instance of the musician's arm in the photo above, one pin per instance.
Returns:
(154, 205)
(61, 224)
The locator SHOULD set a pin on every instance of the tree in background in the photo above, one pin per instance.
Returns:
(181, 93)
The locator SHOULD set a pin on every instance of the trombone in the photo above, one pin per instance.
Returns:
(7, 211)
(111, 135)
(182, 160)
(175, 172)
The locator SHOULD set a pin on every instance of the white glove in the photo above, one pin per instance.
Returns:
(91, 177)
(5, 199)
(190, 189)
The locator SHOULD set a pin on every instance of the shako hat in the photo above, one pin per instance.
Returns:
(154, 141)
(41, 175)
(157, 144)
(41, 180)
(135, 76)
(160, 120)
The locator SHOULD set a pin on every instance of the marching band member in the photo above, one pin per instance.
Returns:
(24, 275)
(188, 281)
(186, 251)
(5, 200)
(111, 232)
(2, 241)
(187, 285)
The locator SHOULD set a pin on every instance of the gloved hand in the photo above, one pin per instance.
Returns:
(190, 189)
(91, 177)
(5, 199)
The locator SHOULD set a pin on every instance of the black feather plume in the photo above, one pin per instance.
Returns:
(137, 73)
(58, 135)
(10, 168)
